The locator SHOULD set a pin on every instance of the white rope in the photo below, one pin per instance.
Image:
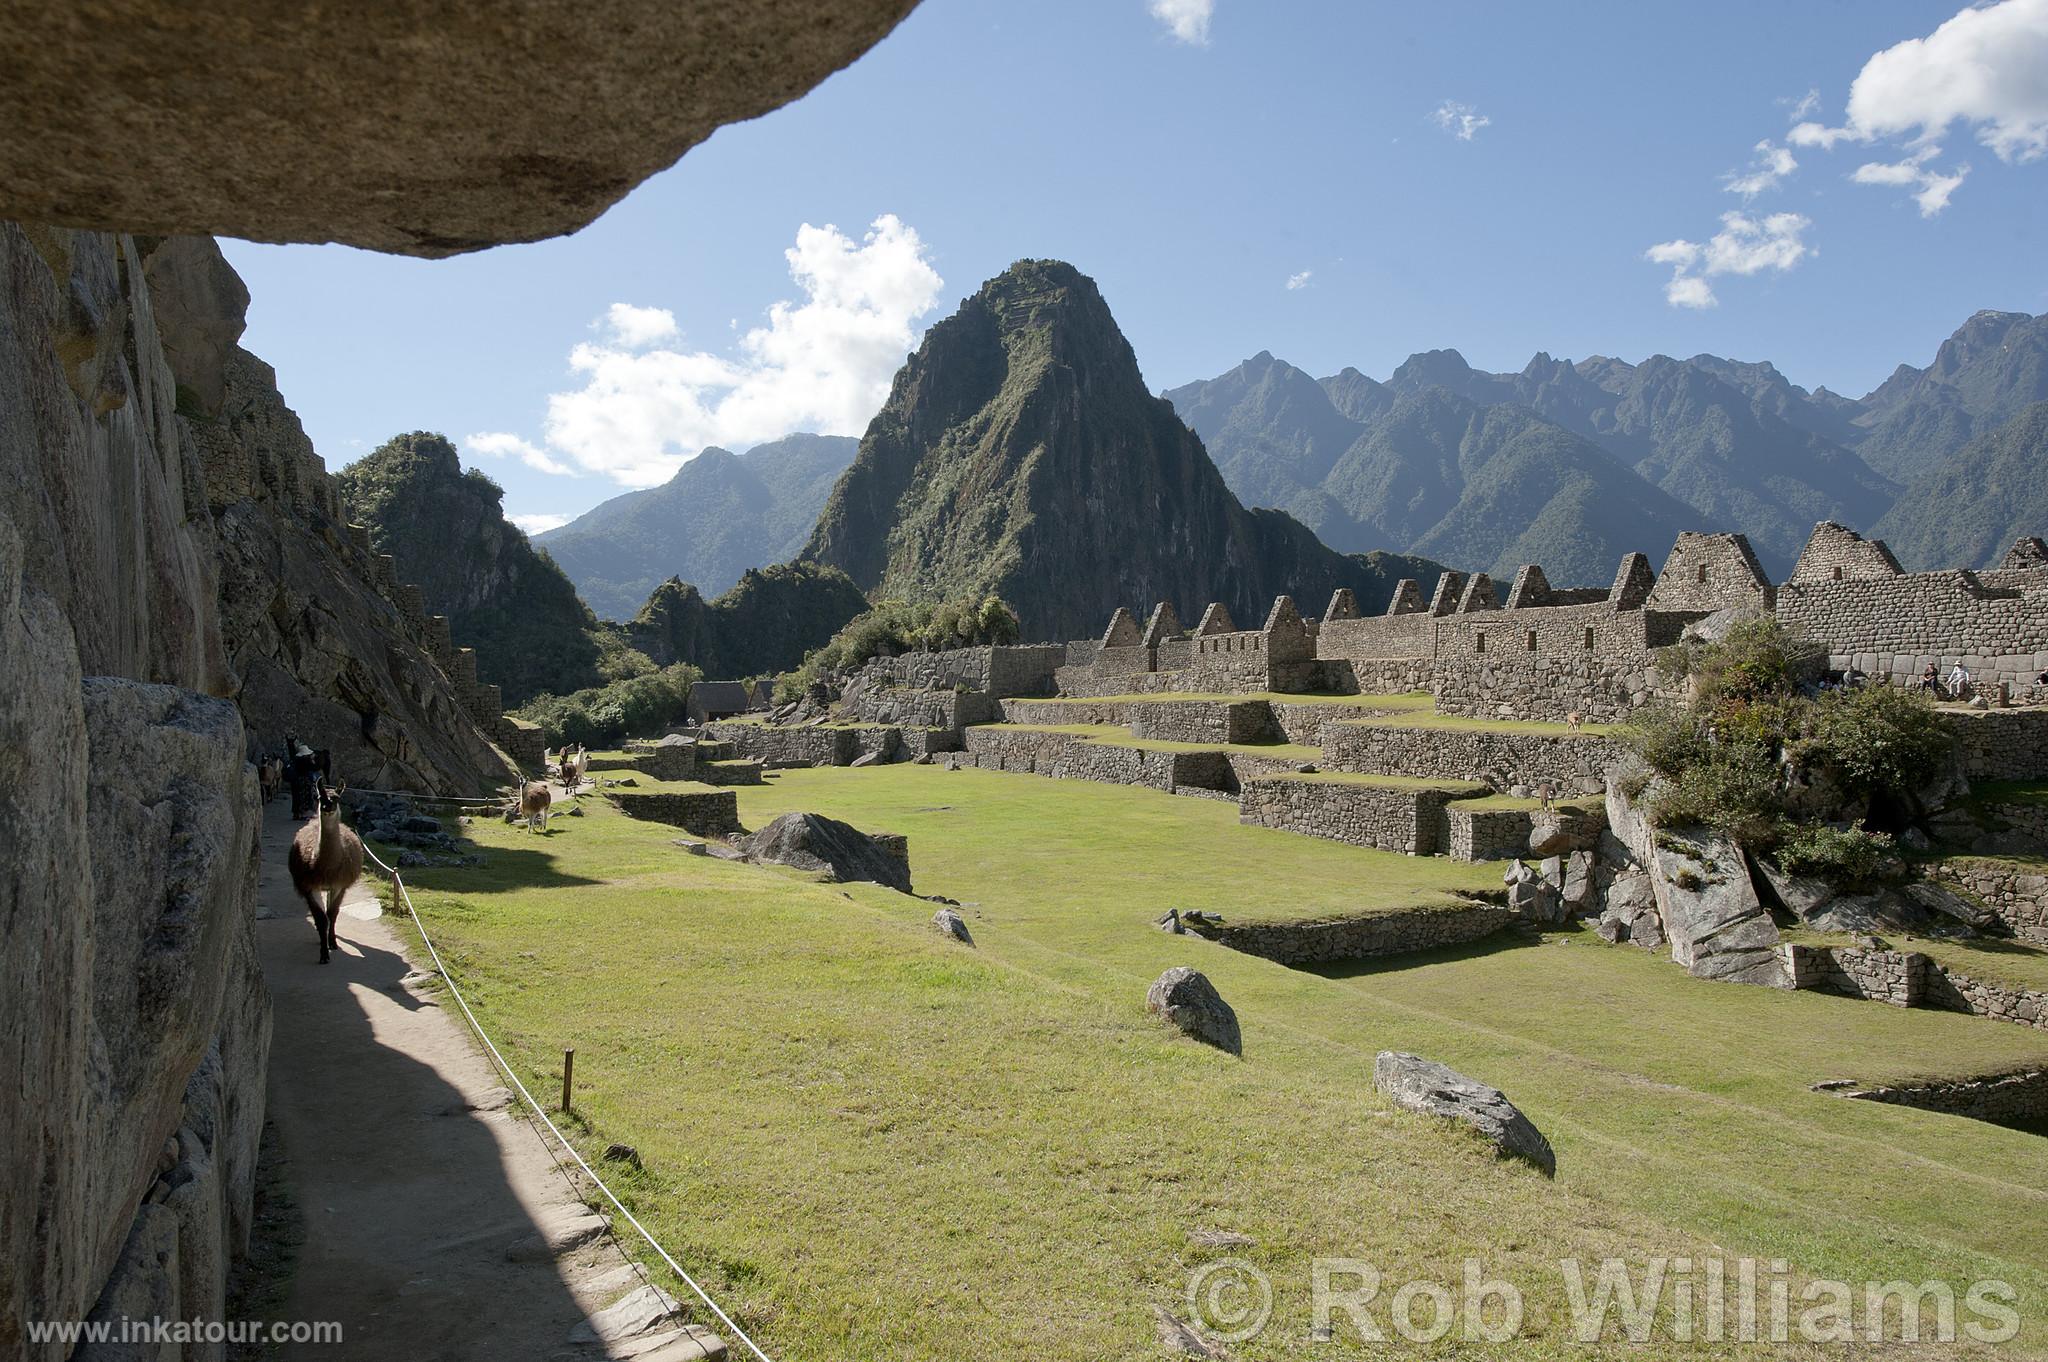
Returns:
(398, 882)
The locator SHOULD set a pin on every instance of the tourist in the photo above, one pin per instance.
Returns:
(1930, 680)
(1959, 682)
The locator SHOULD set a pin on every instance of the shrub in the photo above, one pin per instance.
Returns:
(601, 716)
(1839, 855)
(1881, 738)
(893, 627)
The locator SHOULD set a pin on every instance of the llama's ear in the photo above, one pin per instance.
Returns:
(340, 789)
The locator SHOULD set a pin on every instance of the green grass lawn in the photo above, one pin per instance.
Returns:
(873, 1143)
(1110, 735)
(2033, 792)
(1491, 802)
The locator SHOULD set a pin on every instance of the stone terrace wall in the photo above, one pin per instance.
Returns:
(1378, 636)
(791, 746)
(1506, 761)
(1415, 929)
(1890, 628)
(1894, 977)
(1601, 688)
(709, 813)
(1487, 834)
(2015, 890)
(1385, 818)
(1945, 988)
(2002, 744)
(1247, 721)
(1303, 723)
(2002, 1099)
(999, 670)
(1064, 756)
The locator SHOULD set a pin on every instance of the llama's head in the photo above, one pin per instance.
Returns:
(330, 797)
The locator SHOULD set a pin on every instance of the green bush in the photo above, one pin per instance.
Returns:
(1757, 727)
(602, 716)
(1881, 738)
(1839, 855)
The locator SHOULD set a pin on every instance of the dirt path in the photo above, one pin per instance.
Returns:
(436, 1224)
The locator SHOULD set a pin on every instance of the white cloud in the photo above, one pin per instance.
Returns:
(1745, 245)
(1187, 20)
(1987, 67)
(540, 523)
(500, 445)
(1770, 164)
(634, 327)
(1459, 120)
(1298, 281)
(1689, 290)
(824, 364)
(1804, 107)
(1931, 189)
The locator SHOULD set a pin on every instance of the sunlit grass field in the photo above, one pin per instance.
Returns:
(872, 1142)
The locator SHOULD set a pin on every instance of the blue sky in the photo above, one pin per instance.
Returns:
(1494, 178)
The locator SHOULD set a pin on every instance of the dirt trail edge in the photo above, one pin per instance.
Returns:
(437, 1226)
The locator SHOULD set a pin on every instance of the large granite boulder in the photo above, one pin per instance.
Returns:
(1718, 927)
(426, 129)
(1185, 997)
(1433, 1089)
(949, 923)
(839, 851)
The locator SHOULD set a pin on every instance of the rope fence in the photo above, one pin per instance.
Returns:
(401, 895)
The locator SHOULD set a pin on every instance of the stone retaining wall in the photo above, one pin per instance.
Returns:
(708, 813)
(2015, 891)
(2014, 1099)
(1994, 623)
(1303, 723)
(1063, 756)
(791, 746)
(2002, 744)
(1895, 977)
(1944, 988)
(1383, 817)
(1506, 761)
(1413, 929)
(1487, 834)
(1208, 721)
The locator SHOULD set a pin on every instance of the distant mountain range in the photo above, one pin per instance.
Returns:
(1571, 465)
(1019, 453)
(721, 514)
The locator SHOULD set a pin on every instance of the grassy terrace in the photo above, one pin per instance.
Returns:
(875, 1144)
(1432, 719)
(1404, 701)
(1509, 804)
(1465, 790)
(2019, 964)
(2030, 792)
(1109, 735)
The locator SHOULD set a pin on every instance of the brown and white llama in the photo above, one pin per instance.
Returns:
(325, 859)
(269, 777)
(534, 799)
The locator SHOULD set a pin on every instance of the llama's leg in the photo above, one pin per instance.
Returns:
(319, 922)
(329, 942)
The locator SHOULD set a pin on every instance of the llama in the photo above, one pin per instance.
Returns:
(1575, 721)
(325, 859)
(534, 799)
(269, 776)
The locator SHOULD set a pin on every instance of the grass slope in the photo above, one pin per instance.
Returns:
(874, 1143)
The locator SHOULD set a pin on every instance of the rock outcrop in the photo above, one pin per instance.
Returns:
(839, 851)
(1433, 1089)
(427, 130)
(1717, 926)
(1185, 997)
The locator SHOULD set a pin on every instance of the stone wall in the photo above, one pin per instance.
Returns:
(708, 813)
(1884, 976)
(1064, 756)
(1480, 834)
(1204, 721)
(1945, 988)
(1303, 723)
(1836, 553)
(1891, 627)
(2015, 890)
(1709, 572)
(1505, 761)
(2015, 1099)
(1602, 688)
(996, 670)
(791, 745)
(1401, 818)
(2001, 744)
(1358, 938)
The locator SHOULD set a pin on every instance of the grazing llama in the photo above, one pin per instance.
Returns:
(325, 859)
(534, 799)
(1575, 721)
